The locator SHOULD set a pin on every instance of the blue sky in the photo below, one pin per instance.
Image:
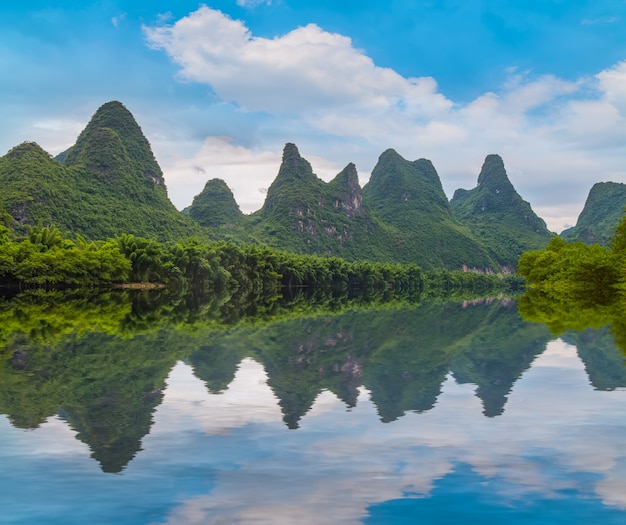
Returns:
(220, 87)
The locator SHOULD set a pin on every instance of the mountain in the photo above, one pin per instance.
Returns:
(498, 216)
(108, 183)
(215, 206)
(35, 187)
(302, 213)
(602, 212)
(409, 197)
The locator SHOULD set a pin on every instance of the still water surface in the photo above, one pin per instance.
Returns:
(458, 413)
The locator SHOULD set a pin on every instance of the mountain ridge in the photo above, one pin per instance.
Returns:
(106, 184)
(109, 182)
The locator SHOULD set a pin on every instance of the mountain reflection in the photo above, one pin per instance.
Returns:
(101, 362)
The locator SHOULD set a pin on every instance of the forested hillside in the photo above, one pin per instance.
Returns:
(107, 184)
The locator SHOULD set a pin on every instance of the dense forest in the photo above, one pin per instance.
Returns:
(44, 257)
(576, 267)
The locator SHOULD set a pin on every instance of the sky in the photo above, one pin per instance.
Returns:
(219, 88)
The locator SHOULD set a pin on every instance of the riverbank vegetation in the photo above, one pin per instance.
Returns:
(45, 257)
(589, 271)
(574, 286)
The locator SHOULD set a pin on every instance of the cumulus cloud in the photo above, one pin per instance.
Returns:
(551, 132)
(613, 85)
(307, 70)
(56, 135)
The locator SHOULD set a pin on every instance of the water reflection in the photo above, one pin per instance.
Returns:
(198, 417)
(342, 467)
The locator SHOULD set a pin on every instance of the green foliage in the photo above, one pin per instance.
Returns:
(215, 206)
(498, 216)
(618, 239)
(35, 188)
(575, 285)
(601, 214)
(409, 197)
(110, 184)
(572, 268)
(45, 257)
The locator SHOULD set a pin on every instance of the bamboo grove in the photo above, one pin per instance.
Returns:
(45, 257)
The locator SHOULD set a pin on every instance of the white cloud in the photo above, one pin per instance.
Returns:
(54, 135)
(613, 85)
(308, 70)
(552, 133)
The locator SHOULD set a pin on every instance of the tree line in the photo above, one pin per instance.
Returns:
(46, 257)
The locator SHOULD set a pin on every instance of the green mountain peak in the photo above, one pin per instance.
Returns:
(397, 183)
(108, 183)
(115, 117)
(604, 207)
(27, 148)
(29, 177)
(497, 215)
(346, 193)
(302, 213)
(493, 176)
(215, 205)
(295, 189)
(408, 195)
(293, 165)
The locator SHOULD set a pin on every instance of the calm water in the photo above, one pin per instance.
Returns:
(437, 414)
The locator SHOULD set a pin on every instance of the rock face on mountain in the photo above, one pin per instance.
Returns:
(215, 206)
(604, 207)
(108, 183)
(409, 197)
(303, 213)
(498, 216)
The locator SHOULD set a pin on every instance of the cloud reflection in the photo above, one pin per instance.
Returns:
(556, 432)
